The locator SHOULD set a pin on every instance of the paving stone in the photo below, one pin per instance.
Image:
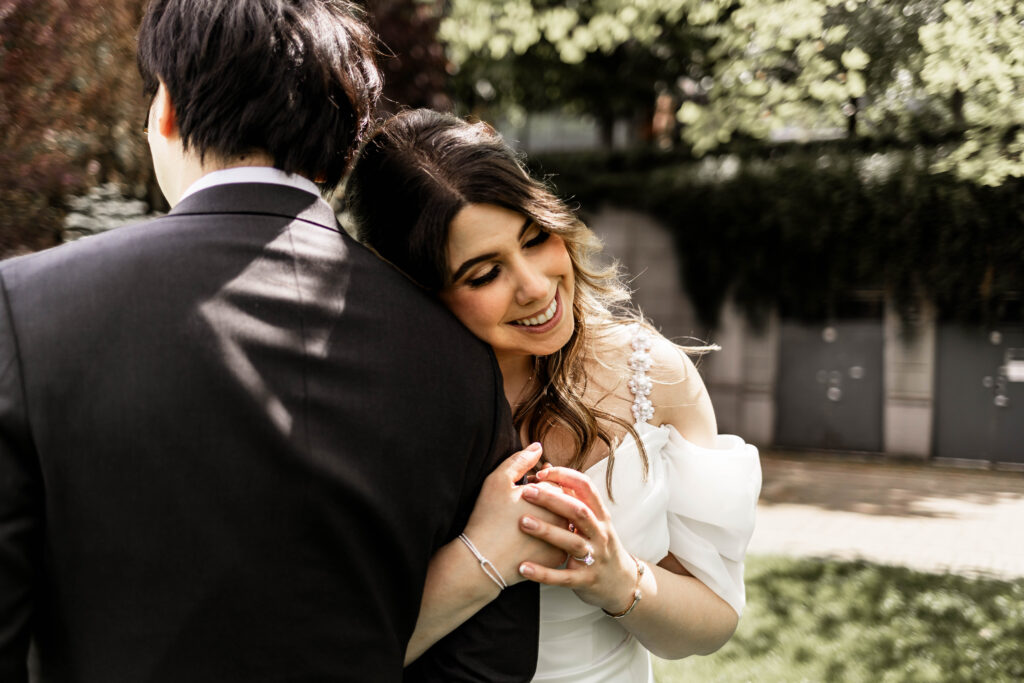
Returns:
(922, 516)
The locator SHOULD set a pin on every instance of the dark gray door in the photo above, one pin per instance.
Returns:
(829, 389)
(979, 393)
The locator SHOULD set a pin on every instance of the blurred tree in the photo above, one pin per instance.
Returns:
(907, 70)
(975, 61)
(414, 62)
(71, 105)
(815, 68)
(71, 110)
(608, 59)
(741, 67)
(915, 70)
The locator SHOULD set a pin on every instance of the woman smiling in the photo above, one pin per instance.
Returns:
(659, 507)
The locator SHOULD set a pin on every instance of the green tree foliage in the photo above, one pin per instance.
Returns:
(812, 68)
(975, 59)
(904, 70)
(606, 58)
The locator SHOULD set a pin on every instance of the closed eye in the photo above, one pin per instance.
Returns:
(484, 279)
(541, 237)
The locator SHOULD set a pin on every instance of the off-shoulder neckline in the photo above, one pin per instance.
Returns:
(647, 428)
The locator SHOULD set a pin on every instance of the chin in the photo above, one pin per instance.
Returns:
(559, 342)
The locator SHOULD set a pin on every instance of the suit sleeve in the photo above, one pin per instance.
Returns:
(499, 643)
(20, 516)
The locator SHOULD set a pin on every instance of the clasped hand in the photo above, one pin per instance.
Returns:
(562, 533)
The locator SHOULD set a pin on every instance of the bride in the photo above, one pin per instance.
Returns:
(659, 507)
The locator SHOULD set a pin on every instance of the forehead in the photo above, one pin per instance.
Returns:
(481, 229)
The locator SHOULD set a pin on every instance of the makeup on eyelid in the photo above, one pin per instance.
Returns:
(519, 297)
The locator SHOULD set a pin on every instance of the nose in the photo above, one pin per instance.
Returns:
(532, 284)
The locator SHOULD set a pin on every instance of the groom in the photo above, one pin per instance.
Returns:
(230, 438)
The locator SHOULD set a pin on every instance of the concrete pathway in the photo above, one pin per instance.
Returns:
(923, 516)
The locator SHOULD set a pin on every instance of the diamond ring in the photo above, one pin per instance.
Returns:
(587, 559)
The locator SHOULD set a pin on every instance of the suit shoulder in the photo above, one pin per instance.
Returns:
(78, 253)
(421, 311)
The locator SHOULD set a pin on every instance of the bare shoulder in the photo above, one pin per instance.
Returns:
(607, 369)
(679, 395)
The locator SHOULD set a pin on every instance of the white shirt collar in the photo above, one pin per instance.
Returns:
(252, 174)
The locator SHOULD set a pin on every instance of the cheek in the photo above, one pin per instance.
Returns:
(561, 261)
(557, 254)
(475, 309)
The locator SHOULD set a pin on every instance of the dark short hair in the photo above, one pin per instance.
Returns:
(296, 79)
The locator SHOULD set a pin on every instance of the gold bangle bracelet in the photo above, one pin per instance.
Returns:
(637, 594)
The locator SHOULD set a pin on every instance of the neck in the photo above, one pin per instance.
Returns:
(516, 373)
(193, 169)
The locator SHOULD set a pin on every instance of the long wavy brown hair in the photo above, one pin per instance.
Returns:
(415, 173)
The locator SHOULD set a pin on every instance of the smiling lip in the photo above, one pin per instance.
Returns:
(544, 327)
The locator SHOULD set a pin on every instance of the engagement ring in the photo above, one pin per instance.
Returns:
(587, 559)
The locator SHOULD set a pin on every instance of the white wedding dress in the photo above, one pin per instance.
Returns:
(697, 503)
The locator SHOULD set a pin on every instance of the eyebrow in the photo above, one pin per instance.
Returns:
(461, 270)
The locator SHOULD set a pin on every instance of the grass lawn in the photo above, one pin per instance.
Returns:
(824, 620)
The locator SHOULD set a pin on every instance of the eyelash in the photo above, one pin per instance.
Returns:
(542, 236)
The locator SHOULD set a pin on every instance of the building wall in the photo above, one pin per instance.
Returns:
(909, 382)
(741, 377)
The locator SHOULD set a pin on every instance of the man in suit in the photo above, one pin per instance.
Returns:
(230, 438)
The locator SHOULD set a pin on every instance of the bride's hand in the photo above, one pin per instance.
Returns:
(608, 582)
(495, 528)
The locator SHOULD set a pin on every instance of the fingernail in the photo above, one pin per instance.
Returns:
(534, 447)
(541, 474)
(530, 492)
(529, 523)
(526, 570)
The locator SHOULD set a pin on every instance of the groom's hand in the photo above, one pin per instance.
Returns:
(494, 526)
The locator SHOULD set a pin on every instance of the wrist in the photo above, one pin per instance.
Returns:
(497, 551)
(486, 566)
(635, 595)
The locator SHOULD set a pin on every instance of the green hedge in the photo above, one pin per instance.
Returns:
(801, 230)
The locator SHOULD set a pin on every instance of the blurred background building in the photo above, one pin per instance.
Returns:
(831, 190)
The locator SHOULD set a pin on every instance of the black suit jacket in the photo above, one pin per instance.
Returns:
(230, 441)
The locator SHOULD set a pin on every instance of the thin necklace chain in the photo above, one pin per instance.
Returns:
(526, 385)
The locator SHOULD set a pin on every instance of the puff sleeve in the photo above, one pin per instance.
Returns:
(711, 505)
